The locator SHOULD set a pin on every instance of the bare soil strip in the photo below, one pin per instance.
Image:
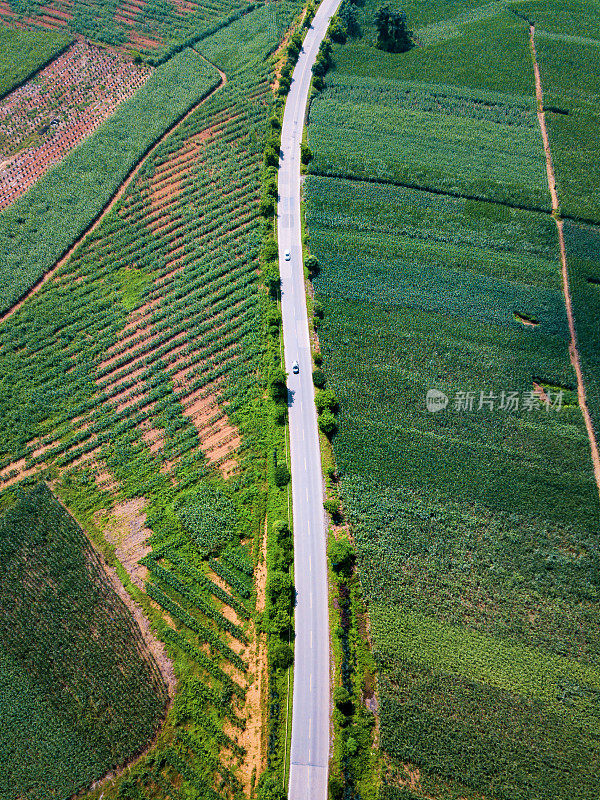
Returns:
(573, 349)
(111, 203)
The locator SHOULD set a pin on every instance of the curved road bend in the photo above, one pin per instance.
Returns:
(310, 715)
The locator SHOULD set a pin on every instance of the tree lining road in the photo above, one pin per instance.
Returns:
(310, 713)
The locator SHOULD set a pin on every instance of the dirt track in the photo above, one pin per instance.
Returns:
(573, 349)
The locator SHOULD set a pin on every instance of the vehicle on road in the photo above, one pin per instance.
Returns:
(295, 368)
(287, 255)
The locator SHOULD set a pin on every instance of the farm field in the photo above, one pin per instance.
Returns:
(409, 133)
(151, 27)
(43, 120)
(134, 383)
(76, 678)
(474, 525)
(39, 227)
(25, 52)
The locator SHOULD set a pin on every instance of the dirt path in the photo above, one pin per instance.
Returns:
(252, 738)
(115, 198)
(573, 349)
(155, 649)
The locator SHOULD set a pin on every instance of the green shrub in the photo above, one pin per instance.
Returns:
(319, 378)
(342, 556)
(332, 506)
(325, 399)
(281, 475)
(327, 423)
(283, 658)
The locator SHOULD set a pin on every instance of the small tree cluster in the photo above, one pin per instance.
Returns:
(342, 556)
(393, 34)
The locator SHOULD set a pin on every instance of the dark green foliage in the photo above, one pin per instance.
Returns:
(571, 84)
(325, 399)
(25, 52)
(79, 697)
(327, 423)
(280, 587)
(319, 378)
(278, 385)
(348, 16)
(283, 656)
(583, 257)
(332, 507)
(392, 30)
(281, 475)
(337, 31)
(269, 789)
(312, 265)
(306, 154)
(342, 556)
(343, 700)
(568, 18)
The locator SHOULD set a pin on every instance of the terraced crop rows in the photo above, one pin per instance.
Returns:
(134, 383)
(191, 269)
(43, 120)
(146, 25)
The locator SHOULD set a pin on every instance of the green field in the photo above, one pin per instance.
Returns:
(78, 697)
(491, 55)
(408, 133)
(25, 52)
(40, 226)
(137, 375)
(475, 527)
(565, 18)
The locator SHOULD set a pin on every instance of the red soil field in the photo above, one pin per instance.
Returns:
(41, 121)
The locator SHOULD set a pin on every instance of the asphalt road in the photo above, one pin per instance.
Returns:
(310, 716)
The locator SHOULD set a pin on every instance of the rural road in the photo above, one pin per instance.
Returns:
(310, 716)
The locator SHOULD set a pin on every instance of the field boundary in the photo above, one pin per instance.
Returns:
(573, 347)
(115, 198)
(430, 190)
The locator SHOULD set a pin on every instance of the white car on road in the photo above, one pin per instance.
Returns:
(295, 368)
(287, 255)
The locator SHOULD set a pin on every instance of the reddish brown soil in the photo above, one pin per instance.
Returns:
(252, 738)
(60, 107)
(107, 209)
